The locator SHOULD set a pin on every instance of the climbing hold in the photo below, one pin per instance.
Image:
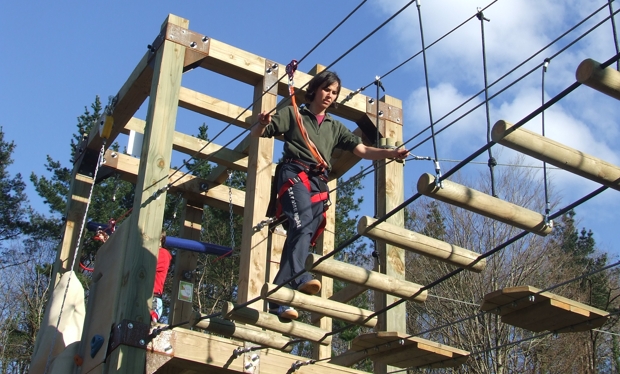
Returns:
(78, 360)
(95, 344)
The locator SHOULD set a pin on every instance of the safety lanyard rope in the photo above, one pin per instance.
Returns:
(290, 70)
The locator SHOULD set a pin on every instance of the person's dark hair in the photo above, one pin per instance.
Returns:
(324, 78)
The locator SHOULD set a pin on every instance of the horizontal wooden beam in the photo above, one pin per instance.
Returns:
(192, 350)
(250, 68)
(344, 312)
(556, 154)
(486, 205)
(607, 80)
(215, 108)
(194, 188)
(198, 148)
(233, 330)
(421, 244)
(272, 322)
(128, 100)
(367, 278)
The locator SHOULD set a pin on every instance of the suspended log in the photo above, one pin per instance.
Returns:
(272, 322)
(344, 312)
(529, 308)
(556, 154)
(232, 330)
(484, 204)
(606, 80)
(421, 244)
(367, 278)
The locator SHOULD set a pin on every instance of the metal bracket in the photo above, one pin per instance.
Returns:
(187, 38)
(131, 333)
(271, 77)
(251, 360)
(88, 164)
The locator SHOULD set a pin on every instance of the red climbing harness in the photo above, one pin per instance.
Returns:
(303, 177)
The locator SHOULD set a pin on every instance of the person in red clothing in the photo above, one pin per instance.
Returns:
(161, 271)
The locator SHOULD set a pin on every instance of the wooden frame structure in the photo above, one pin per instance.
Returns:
(120, 297)
(121, 294)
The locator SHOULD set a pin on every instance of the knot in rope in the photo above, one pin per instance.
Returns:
(492, 162)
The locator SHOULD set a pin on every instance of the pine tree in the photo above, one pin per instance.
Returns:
(13, 200)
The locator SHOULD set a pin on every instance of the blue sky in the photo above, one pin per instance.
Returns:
(57, 56)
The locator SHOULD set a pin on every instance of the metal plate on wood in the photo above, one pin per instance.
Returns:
(187, 38)
(271, 77)
(131, 333)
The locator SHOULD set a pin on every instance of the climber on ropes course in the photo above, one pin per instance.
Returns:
(310, 136)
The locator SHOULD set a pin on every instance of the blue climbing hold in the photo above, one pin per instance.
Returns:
(95, 345)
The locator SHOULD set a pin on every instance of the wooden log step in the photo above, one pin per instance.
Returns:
(607, 81)
(421, 244)
(481, 203)
(272, 322)
(367, 278)
(530, 309)
(400, 350)
(344, 312)
(556, 154)
(230, 329)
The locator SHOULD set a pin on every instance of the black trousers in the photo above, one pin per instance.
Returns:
(304, 218)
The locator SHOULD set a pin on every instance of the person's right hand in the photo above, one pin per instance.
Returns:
(264, 118)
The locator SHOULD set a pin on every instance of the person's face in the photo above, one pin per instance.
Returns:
(325, 96)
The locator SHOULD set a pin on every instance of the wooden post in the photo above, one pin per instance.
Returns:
(185, 263)
(324, 245)
(287, 296)
(253, 262)
(389, 194)
(486, 205)
(142, 246)
(556, 154)
(76, 209)
(271, 322)
(370, 279)
(607, 80)
(421, 244)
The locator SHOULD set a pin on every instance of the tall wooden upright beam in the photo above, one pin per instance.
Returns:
(390, 194)
(253, 262)
(185, 264)
(324, 245)
(140, 255)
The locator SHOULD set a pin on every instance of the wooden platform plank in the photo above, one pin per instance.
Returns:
(213, 354)
(529, 308)
(406, 351)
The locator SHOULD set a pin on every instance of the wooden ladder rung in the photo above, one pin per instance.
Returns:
(607, 81)
(556, 154)
(481, 203)
(367, 278)
(272, 322)
(421, 244)
(330, 308)
(233, 330)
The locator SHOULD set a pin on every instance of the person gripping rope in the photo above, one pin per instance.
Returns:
(310, 137)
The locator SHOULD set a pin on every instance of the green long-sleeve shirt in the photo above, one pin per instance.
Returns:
(330, 135)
